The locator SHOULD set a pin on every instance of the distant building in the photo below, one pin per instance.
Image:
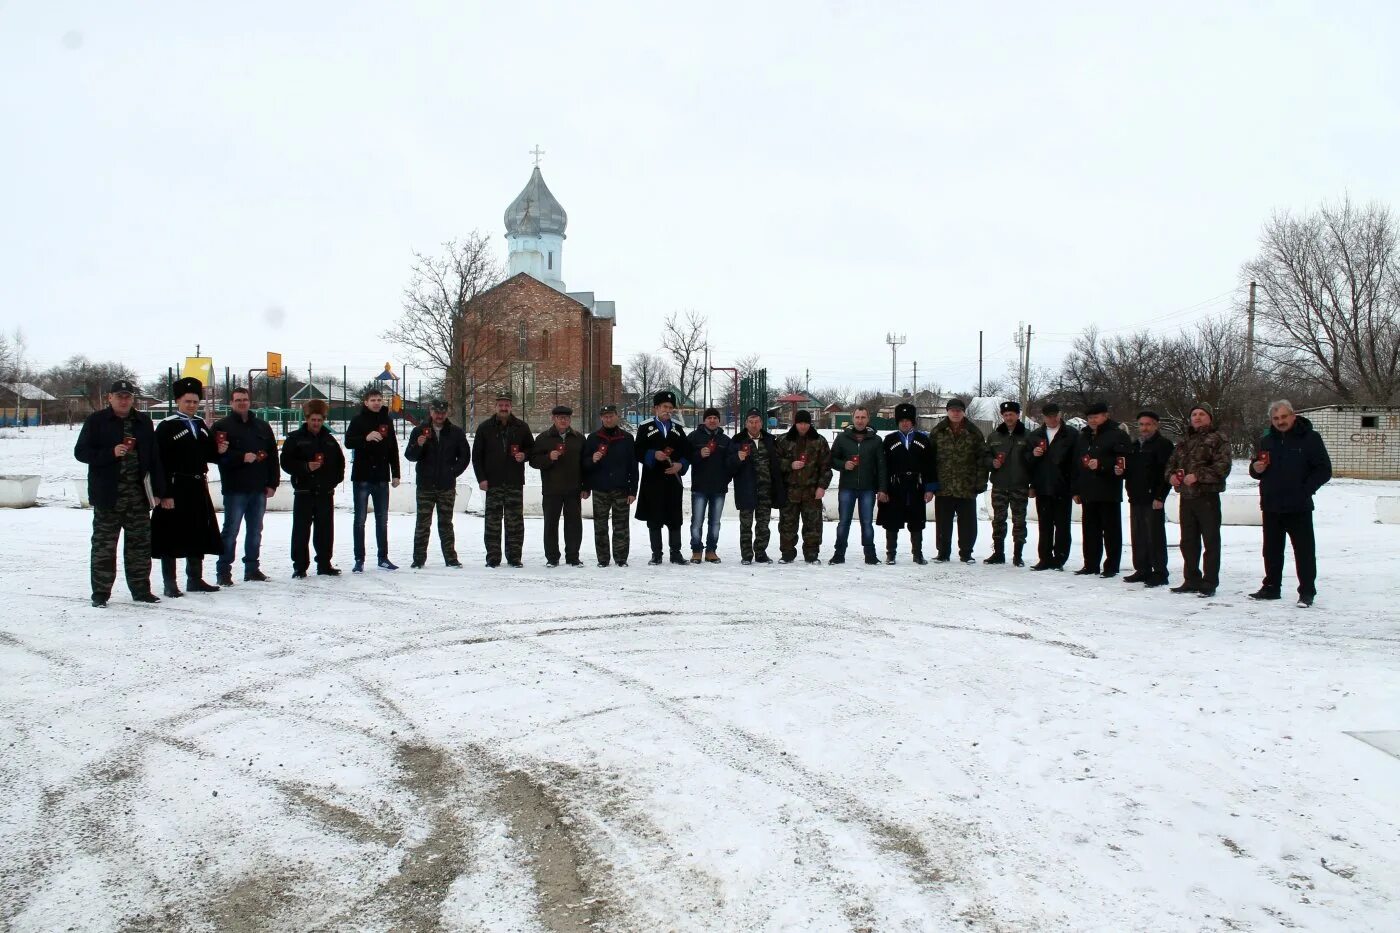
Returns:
(1363, 440)
(545, 345)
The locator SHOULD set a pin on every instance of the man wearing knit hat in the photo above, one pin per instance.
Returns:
(806, 457)
(1197, 471)
(710, 470)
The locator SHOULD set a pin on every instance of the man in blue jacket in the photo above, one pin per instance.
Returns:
(1291, 465)
(610, 477)
(118, 444)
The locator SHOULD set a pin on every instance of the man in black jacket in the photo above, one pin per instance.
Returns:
(1291, 465)
(1050, 450)
(503, 443)
(248, 477)
(440, 454)
(185, 524)
(1147, 494)
(316, 464)
(610, 477)
(118, 444)
(710, 470)
(911, 480)
(759, 487)
(664, 453)
(558, 455)
(1102, 447)
(370, 435)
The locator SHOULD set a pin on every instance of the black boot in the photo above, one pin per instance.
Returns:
(194, 578)
(998, 557)
(837, 557)
(167, 575)
(891, 545)
(678, 558)
(916, 547)
(1016, 557)
(870, 557)
(654, 532)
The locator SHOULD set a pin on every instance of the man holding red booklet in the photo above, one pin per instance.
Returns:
(664, 453)
(610, 477)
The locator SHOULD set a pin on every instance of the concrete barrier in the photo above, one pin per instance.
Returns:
(1235, 509)
(1388, 510)
(402, 501)
(18, 491)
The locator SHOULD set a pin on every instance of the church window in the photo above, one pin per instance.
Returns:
(524, 350)
(551, 259)
(544, 345)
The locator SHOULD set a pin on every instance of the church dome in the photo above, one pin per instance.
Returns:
(535, 210)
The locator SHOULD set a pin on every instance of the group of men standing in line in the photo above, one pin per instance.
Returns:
(149, 483)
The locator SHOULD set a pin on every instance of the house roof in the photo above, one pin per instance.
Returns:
(27, 391)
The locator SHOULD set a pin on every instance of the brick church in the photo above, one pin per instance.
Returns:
(547, 345)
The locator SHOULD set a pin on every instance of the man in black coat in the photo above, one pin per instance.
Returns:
(1291, 465)
(370, 435)
(911, 480)
(184, 523)
(1100, 451)
(664, 453)
(610, 477)
(249, 476)
(118, 444)
(710, 472)
(1148, 489)
(758, 486)
(503, 443)
(440, 454)
(316, 464)
(558, 455)
(1050, 451)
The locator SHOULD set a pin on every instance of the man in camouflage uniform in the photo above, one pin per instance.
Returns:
(758, 486)
(1011, 483)
(503, 442)
(806, 458)
(610, 478)
(958, 448)
(440, 454)
(118, 444)
(1197, 471)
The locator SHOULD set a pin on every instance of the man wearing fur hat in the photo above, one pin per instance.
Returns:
(912, 479)
(184, 523)
(664, 455)
(316, 465)
(503, 444)
(1197, 471)
(1008, 459)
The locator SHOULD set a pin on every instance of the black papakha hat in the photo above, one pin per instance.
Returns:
(663, 397)
(1010, 406)
(906, 412)
(185, 386)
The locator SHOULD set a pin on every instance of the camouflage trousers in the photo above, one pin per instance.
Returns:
(753, 529)
(505, 504)
(443, 500)
(611, 507)
(810, 514)
(1014, 500)
(131, 519)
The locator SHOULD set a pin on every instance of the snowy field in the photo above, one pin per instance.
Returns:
(700, 748)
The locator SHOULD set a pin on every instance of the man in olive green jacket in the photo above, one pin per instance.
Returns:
(960, 450)
(858, 457)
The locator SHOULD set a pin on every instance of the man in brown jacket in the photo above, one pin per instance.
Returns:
(1197, 471)
(558, 455)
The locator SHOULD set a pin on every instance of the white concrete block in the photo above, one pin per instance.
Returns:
(1388, 510)
(1240, 510)
(18, 491)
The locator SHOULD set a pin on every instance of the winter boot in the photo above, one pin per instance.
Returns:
(761, 557)
(254, 576)
(870, 556)
(167, 575)
(678, 558)
(358, 567)
(197, 585)
(695, 557)
(711, 557)
(916, 547)
(837, 557)
(1265, 592)
(1016, 557)
(891, 545)
(998, 557)
(225, 578)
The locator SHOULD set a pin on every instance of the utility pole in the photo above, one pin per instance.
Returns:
(979, 364)
(1249, 333)
(895, 341)
(1026, 373)
(916, 378)
(807, 382)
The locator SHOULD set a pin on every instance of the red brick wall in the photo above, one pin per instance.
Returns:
(568, 350)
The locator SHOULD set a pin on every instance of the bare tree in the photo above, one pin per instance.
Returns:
(91, 378)
(683, 338)
(645, 374)
(440, 328)
(793, 385)
(834, 395)
(1329, 312)
(1125, 371)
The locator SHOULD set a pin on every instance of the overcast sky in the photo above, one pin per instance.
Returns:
(810, 175)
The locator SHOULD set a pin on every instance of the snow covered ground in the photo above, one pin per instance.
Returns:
(712, 748)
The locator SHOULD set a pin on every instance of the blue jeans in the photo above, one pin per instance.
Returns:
(240, 507)
(699, 502)
(364, 493)
(847, 499)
